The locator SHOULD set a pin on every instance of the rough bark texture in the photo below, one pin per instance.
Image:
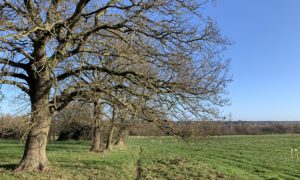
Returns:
(110, 136)
(96, 135)
(34, 157)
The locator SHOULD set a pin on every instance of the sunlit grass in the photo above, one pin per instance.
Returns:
(72, 160)
(226, 157)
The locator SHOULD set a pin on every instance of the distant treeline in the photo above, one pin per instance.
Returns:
(243, 127)
(214, 128)
(73, 128)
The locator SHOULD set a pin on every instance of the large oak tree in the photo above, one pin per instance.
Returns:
(47, 47)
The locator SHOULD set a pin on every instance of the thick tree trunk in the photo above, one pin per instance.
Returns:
(96, 135)
(34, 157)
(110, 137)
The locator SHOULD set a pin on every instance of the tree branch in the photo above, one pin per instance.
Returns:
(18, 10)
(76, 15)
(13, 64)
(17, 84)
(16, 75)
(102, 69)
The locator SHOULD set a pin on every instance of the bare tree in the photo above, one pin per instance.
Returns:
(73, 122)
(125, 122)
(119, 126)
(46, 47)
(13, 126)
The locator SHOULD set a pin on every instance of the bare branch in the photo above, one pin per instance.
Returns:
(13, 64)
(13, 74)
(17, 84)
(78, 11)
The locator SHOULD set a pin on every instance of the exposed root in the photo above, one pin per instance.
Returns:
(27, 167)
(32, 165)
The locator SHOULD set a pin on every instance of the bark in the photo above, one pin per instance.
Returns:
(110, 136)
(34, 157)
(96, 142)
(96, 135)
(120, 141)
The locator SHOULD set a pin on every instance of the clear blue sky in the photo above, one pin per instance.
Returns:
(265, 58)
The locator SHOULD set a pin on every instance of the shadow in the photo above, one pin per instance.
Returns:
(8, 166)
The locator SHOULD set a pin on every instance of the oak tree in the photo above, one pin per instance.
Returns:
(48, 46)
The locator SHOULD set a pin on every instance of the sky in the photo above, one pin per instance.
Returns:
(265, 58)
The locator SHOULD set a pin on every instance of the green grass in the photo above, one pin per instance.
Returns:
(226, 157)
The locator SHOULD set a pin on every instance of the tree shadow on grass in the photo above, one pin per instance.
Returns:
(8, 166)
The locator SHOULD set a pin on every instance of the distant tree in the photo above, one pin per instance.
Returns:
(73, 122)
(13, 126)
(46, 47)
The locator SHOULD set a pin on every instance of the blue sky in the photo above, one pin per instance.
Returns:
(265, 58)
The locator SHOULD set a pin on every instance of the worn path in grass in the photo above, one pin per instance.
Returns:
(226, 157)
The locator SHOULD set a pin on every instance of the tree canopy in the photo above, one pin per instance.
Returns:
(164, 54)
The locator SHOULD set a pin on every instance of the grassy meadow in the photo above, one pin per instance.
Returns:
(224, 157)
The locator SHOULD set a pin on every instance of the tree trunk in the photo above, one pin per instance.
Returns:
(120, 141)
(34, 157)
(96, 142)
(96, 135)
(110, 136)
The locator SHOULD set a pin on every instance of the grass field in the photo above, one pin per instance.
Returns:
(226, 157)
